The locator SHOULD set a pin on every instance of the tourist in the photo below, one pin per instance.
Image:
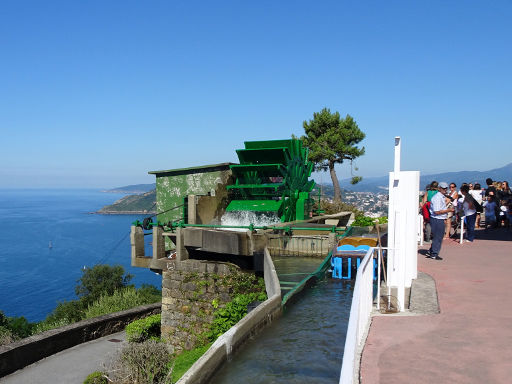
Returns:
(453, 197)
(490, 187)
(431, 190)
(509, 213)
(427, 233)
(506, 193)
(469, 212)
(477, 194)
(438, 213)
(493, 191)
(490, 211)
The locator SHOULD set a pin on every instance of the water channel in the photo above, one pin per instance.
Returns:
(306, 344)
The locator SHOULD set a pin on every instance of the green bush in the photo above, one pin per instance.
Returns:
(96, 378)
(14, 328)
(150, 293)
(383, 220)
(144, 329)
(67, 311)
(366, 221)
(101, 280)
(20, 326)
(118, 301)
(232, 313)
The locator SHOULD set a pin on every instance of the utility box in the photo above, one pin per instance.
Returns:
(173, 187)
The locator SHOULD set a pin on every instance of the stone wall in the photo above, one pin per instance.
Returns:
(191, 289)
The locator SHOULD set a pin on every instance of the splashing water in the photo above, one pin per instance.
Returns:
(249, 217)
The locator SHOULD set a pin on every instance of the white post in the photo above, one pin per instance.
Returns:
(403, 227)
(462, 229)
(420, 230)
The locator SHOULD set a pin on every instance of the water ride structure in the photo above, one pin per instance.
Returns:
(269, 199)
(273, 176)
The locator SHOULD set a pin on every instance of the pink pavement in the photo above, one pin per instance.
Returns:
(470, 341)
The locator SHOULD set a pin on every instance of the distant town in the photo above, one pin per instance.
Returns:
(372, 204)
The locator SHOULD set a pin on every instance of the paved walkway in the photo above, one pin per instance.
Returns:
(470, 341)
(70, 366)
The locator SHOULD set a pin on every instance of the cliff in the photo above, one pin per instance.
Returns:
(132, 204)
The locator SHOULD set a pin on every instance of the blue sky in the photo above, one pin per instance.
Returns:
(98, 93)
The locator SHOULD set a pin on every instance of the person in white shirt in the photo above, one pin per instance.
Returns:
(438, 214)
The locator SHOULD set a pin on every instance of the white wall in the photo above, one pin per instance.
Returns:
(402, 230)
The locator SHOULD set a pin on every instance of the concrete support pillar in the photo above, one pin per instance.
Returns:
(332, 241)
(181, 251)
(192, 209)
(158, 243)
(136, 242)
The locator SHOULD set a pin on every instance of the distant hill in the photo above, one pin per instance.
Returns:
(132, 189)
(143, 196)
(380, 184)
(132, 204)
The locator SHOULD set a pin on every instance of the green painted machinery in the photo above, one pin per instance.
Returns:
(273, 176)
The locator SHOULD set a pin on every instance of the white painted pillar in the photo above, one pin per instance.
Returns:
(402, 227)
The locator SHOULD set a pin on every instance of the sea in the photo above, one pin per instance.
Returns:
(48, 237)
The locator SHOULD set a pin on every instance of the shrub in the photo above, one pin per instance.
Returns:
(47, 325)
(20, 326)
(119, 301)
(14, 328)
(334, 207)
(96, 378)
(232, 313)
(366, 221)
(67, 311)
(144, 329)
(101, 280)
(143, 363)
(6, 336)
(150, 293)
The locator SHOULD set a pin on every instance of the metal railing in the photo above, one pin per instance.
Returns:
(360, 314)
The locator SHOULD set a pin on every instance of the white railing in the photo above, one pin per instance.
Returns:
(360, 314)
(461, 240)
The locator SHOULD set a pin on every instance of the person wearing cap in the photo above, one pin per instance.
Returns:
(438, 214)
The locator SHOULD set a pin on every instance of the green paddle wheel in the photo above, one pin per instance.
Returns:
(273, 176)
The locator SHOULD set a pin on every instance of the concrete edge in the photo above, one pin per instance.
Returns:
(227, 344)
(17, 355)
(424, 297)
(359, 353)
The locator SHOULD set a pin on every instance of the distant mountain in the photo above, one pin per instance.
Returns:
(380, 184)
(132, 204)
(133, 189)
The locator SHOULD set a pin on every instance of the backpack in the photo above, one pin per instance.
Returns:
(425, 211)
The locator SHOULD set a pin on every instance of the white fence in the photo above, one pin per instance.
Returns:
(360, 314)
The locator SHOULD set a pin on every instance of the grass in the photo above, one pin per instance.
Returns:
(186, 359)
(121, 300)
